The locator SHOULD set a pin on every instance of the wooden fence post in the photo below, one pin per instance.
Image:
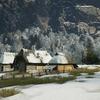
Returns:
(23, 76)
(13, 76)
(31, 75)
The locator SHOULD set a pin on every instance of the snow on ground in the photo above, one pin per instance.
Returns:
(88, 89)
(53, 75)
(89, 66)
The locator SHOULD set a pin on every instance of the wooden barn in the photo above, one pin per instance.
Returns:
(31, 62)
(60, 63)
(37, 61)
(62, 68)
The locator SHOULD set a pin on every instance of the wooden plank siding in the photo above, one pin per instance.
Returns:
(65, 68)
(34, 69)
(39, 67)
(6, 68)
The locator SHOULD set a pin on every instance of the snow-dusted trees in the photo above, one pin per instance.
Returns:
(75, 46)
(97, 46)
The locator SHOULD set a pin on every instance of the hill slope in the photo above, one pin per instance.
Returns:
(55, 25)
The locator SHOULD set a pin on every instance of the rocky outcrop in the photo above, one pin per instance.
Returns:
(90, 10)
(21, 14)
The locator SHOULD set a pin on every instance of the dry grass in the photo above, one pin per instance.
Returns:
(77, 72)
(33, 80)
(8, 92)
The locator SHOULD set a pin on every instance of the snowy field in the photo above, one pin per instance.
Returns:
(89, 66)
(80, 89)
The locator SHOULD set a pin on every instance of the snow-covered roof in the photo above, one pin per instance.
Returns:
(59, 59)
(43, 55)
(37, 56)
(7, 57)
(33, 59)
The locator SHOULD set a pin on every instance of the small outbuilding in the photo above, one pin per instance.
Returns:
(34, 64)
(6, 61)
(60, 63)
(37, 61)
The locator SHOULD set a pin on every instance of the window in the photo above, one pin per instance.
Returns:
(1, 69)
(11, 66)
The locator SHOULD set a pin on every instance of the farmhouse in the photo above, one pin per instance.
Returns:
(37, 61)
(6, 61)
(31, 61)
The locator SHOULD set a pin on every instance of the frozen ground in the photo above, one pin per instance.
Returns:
(80, 89)
(88, 66)
(52, 75)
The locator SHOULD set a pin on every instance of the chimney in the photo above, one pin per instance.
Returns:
(33, 49)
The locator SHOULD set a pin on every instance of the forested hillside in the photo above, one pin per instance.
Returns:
(69, 26)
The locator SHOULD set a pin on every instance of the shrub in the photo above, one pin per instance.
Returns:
(91, 57)
(8, 92)
(90, 73)
(89, 77)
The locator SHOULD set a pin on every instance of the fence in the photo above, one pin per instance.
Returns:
(12, 75)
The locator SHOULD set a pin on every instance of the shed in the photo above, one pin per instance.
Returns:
(37, 61)
(33, 65)
(6, 61)
(60, 63)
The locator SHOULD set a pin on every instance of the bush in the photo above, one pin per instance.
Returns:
(91, 57)
(90, 73)
(8, 92)
(89, 77)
